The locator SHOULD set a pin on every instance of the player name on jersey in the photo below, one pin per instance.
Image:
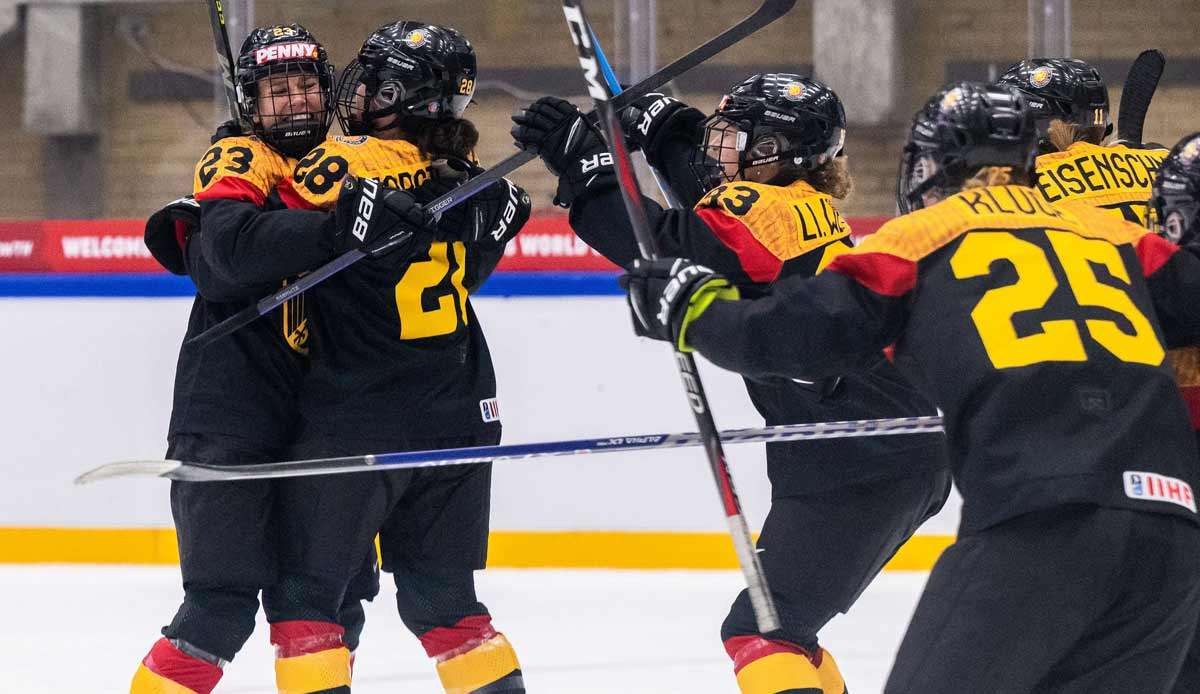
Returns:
(1098, 172)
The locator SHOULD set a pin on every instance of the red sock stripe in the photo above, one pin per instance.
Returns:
(167, 661)
(446, 642)
(747, 649)
(299, 637)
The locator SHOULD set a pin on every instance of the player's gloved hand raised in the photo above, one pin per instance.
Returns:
(652, 119)
(491, 217)
(230, 128)
(168, 231)
(568, 142)
(665, 295)
(376, 219)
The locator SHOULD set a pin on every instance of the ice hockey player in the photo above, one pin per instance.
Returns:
(1074, 167)
(235, 401)
(399, 362)
(764, 173)
(1035, 330)
(1174, 213)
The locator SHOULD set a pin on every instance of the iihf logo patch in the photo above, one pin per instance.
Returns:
(489, 409)
(1151, 486)
(1040, 77)
(416, 38)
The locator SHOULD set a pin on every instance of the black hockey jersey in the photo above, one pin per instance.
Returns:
(1035, 330)
(756, 233)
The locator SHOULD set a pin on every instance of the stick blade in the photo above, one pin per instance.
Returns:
(1136, 94)
(130, 468)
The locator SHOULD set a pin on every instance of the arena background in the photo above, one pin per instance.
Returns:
(107, 105)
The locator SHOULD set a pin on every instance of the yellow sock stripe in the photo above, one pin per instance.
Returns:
(831, 677)
(507, 549)
(146, 681)
(313, 672)
(480, 666)
(779, 672)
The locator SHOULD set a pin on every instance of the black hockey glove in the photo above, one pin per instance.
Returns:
(653, 119)
(568, 143)
(667, 294)
(491, 217)
(230, 128)
(168, 232)
(369, 213)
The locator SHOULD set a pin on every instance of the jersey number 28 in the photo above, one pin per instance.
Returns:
(1059, 340)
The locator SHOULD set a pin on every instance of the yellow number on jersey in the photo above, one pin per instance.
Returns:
(1060, 339)
(415, 321)
(1078, 255)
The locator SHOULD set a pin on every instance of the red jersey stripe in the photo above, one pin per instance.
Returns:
(233, 188)
(759, 263)
(1154, 251)
(882, 273)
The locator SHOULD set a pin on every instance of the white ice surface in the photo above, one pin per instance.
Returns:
(83, 629)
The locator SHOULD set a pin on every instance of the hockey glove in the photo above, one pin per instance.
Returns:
(491, 217)
(568, 142)
(667, 294)
(370, 214)
(230, 128)
(168, 232)
(653, 119)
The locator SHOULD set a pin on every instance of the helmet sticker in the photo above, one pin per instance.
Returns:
(286, 51)
(951, 99)
(793, 91)
(1040, 77)
(416, 38)
(1190, 152)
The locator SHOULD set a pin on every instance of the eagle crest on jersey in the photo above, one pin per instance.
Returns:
(246, 169)
(1116, 178)
(313, 183)
(769, 225)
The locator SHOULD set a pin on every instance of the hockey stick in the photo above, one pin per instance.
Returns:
(768, 12)
(198, 472)
(765, 613)
(1136, 94)
(614, 87)
(216, 14)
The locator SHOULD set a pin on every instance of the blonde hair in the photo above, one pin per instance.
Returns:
(832, 178)
(990, 176)
(1062, 134)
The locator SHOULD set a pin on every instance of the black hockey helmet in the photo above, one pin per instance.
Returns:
(963, 127)
(1066, 89)
(278, 53)
(1174, 207)
(795, 121)
(407, 69)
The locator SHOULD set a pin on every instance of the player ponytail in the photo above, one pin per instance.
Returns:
(832, 178)
(440, 139)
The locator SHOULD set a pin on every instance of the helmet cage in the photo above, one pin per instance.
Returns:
(273, 115)
(764, 135)
(283, 59)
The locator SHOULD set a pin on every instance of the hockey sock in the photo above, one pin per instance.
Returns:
(168, 669)
(774, 667)
(310, 658)
(473, 658)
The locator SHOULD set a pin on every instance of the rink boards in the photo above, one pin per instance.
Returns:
(90, 362)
